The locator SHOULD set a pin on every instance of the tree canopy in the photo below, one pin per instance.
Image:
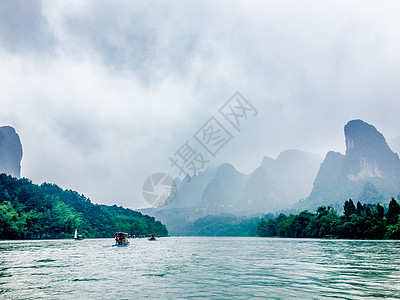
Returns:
(33, 211)
(361, 221)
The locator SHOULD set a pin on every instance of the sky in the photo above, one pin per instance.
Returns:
(103, 93)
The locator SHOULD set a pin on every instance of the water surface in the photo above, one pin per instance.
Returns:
(200, 267)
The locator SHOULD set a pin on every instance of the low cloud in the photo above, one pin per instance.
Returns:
(103, 93)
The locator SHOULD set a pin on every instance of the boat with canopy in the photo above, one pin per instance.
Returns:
(121, 239)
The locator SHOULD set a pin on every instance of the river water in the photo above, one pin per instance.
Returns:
(200, 267)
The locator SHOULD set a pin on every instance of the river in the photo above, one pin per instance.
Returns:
(200, 267)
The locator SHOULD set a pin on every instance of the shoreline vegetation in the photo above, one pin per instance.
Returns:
(46, 211)
(361, 221)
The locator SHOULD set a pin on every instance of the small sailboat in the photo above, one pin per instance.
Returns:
(77, 237)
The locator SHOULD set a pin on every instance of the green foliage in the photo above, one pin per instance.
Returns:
(366, 221)
(47, 211)
(224, 225)
(266, 227)
(349, 208)
(11, 222)
(393, 212)
(393, 231)
(325, 223)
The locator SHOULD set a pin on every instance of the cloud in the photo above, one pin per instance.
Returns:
(23, 28)
(102, 93)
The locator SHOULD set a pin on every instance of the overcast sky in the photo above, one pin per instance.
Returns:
(102, 93)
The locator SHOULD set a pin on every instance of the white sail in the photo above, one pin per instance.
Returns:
(76, 234)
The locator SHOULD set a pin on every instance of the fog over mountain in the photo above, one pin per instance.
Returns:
(395, 144)
(369, 171)
(10, 152)
(276, 184)
(190, 193)
(102, 93)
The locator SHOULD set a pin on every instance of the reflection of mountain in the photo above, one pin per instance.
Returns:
(369, 172)
(274, 185)
(10, 151)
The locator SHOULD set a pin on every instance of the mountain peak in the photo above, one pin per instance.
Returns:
(361, 135)
(291, 153)
(267, 162)
(369, 170)
(226, 168)
(367, 152)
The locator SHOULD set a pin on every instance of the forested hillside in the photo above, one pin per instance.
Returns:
(35, 211)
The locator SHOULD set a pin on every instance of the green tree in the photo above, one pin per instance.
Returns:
(393, 212)
(266, 227)
(349, 208)
(12, 224)
(324, 224)
(380, 212)
(393, 231)
(47, 211)
(360, 208)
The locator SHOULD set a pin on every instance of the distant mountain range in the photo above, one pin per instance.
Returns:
(369, 172)
(10, 152)
(276, 184)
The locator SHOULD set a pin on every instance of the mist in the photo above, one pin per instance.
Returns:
(102, 94)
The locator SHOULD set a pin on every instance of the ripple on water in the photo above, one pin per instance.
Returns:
(223, 268)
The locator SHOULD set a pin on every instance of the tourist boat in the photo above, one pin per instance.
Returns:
(152, 237)
(121, 239)
(77, 236)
